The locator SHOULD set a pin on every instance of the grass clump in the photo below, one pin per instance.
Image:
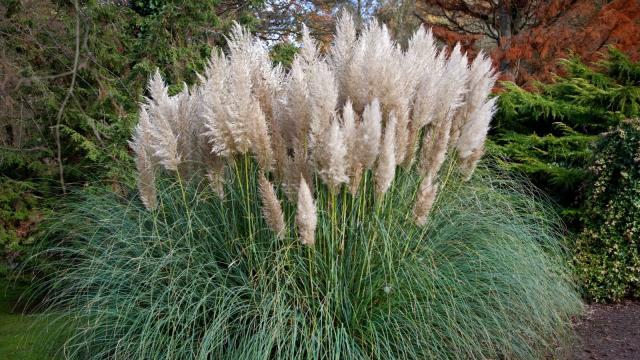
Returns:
(294, 215)
(203, 277)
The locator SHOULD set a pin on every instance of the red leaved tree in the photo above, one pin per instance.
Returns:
(527, 37)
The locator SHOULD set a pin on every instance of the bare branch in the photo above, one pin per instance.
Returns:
(66, 98)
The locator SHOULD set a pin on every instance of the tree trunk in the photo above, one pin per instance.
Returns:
(504, 22)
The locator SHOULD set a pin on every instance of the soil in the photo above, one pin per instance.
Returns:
(609, 332)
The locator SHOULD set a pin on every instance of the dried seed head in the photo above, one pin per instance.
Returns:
(306, 219)
(215, 174)
(162, 115)
(470, 144)
(330, 155)
(323, 96)
(261, 142)
(480, 81)
(425, 198)
(271, 209)
(144, 161)
(468, 164)
(368, 137)
(385, 170)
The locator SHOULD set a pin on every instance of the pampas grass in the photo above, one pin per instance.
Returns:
(327, 115)
(312, 215)
(205, 277)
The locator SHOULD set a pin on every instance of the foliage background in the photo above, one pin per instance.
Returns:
(119, 47)
(548, 133)
(608, 247)
(571, 138)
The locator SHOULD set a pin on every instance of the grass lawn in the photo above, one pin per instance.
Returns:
(20, 334)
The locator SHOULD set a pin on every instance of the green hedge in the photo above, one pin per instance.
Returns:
(571, 139)
(608, 249)
(548, 133)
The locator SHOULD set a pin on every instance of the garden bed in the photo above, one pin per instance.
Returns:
(609, 332)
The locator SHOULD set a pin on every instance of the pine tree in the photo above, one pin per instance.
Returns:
(547, 134)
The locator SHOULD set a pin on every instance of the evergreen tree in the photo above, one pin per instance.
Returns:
(547, 134)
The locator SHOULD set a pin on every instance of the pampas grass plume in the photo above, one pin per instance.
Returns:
(306, 218)
(141, 145)
(425, 198)
(368, 136)
(271, 208)
(385, 170)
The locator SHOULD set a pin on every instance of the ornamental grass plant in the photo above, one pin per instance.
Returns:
(313, 214)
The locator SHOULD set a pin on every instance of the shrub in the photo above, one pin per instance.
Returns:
(117, 49)
(353, 262)
(548, 134)
(607, 250)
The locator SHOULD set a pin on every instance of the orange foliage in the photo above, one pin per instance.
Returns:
(584, 30)
(561, 28)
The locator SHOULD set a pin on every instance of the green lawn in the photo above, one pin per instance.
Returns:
(20, 334)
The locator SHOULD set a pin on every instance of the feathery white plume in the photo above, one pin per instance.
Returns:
(425, 198)
(342, 49)
(306, 218)
(470, 144)
(330, 155)
(309, 50)
(323, 95)
(162, 116)
(323, 119)
(368, 137)
(480, 81)
(271, 209)
(144, 161)
(386, 168)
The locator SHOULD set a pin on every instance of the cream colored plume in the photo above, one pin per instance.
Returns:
(141, 146)
(479, 84)
(238, 124)
(162, 111)
(470, 144)
(448, 99)
(425, 198)
(214, 113)
(368, 135)
(374, 70)
(329, 154)
(309, 50)
(296, 119)
(342, 51)
(354, 167)
(323, 95)
(306, 219)
(386, 167)
(271, 209)
(434, 148)
(323, 119)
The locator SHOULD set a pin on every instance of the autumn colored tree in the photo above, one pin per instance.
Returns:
(282, 20)
(490, 20)
(527, 37)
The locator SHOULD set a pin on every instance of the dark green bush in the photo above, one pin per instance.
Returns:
(608, 249)
(120, 46)
(560, 137)
(547, 134)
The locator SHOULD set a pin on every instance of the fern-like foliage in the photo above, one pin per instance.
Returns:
(547, 133)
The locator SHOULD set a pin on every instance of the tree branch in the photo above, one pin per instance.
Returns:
(66, 98)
